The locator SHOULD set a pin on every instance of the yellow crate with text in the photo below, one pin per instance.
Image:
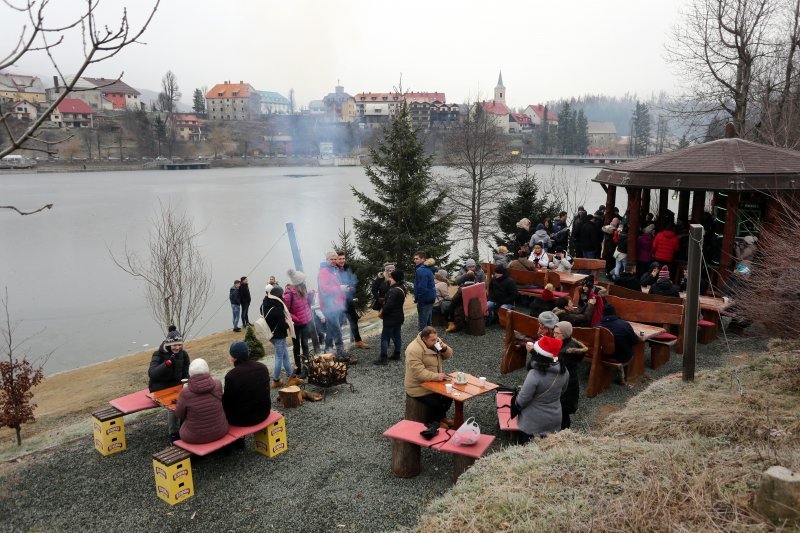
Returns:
(271, 440)
(172, 468)
(108, 428)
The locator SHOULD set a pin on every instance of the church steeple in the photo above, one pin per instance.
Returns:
(500, 90)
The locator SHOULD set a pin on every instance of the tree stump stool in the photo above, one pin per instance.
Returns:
(438, 319)
(416, 411)
(405, 458)
(659, 354)
(476, 322)
(291, 396)
(460, 465)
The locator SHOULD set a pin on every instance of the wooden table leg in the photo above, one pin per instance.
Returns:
(636, 368)
(460, 465)
(459, 418)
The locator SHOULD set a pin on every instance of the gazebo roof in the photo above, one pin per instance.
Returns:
(726, 164)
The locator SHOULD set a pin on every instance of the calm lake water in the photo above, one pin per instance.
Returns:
(65, 291)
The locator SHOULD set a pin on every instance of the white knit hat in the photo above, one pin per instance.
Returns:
(197, 367)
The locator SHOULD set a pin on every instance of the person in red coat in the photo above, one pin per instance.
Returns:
(200, 406)
(665, 245)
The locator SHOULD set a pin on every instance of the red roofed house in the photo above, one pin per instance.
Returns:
(520, 122)
(188, 127)
(73, 113)
(121, 95)
(233, 101)
(497, 108)
(420, 105)
(536, 113)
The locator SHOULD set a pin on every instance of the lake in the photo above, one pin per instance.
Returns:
(65, 291)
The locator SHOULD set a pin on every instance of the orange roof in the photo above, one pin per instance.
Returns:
(394, 97)
(231, 90)
(495, 108)
(539, 110)
(73, 105)
(424, 97)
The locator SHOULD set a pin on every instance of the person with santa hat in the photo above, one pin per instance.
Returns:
(539, 400)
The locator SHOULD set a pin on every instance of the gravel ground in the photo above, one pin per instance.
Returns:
(335, 475)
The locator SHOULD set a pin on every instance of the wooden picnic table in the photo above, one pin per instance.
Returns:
(711, 303)
(167, 397)
(461, 393)
(572, 282)
(645, 332)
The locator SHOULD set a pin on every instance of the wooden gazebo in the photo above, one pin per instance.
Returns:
(744, 178)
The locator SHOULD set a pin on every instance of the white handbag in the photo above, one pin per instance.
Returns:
(468, 434)
(263, 332)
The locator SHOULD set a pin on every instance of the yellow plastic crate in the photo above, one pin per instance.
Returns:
(172, 468)
(271, 440)
(108, 428)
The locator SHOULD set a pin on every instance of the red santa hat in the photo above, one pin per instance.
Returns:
(548, 347)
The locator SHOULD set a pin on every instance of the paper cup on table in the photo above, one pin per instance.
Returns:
(482, 381)
(725, 299)
(448, 387)
(185, 382)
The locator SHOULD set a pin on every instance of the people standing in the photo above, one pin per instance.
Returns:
(280, 324)
(200, 406)
(168, 366)
(348, 278)
(246, 398)
(245, 299)
(523, 235)
(424, 290)
(380, 285)
(424, 362)
(332, 301)
(236, 304)
(571, 354)
(665, 244)
(393, 318)
(591, 236)
(644, 250)
(539, 399)
(296, 299)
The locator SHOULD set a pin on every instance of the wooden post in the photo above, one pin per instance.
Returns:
(611, 200)
(728, 234)
(291, 397)
(460, 465)
(476, 322)
(645, 205)
(663, 198)
(692, 303)
(405, 458)
(634, 209)
(698, 204)
(683, 206)
(416, 411)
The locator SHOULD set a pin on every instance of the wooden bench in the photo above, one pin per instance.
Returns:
(504, 419)
(269, 441)
(108, 424)
(407, 444)
(134, 402)
(595, 266)
(532, 283)
(514, 350)
(649, 312)
(600, 343)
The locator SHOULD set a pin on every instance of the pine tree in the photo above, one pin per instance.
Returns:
(545, 133)
(641, 128)
(684, 142)
(199, 102)
(160, 130)
(403, 215)
(526, 203)
(581, 133)
(254, 346)
(566, 130)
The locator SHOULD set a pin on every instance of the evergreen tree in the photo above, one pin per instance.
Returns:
(199, 102)
(566, 130)
(581, 133)
(403, 215)
(545, 133)
(254, 346)
(684, 142)
(526, 203)
(641, 129)
(160, 130)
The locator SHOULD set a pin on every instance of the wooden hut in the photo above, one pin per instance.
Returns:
(743, 178)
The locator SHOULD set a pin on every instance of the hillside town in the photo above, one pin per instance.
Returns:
(114, 121)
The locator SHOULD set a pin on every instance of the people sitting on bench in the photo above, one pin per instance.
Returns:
(502, 292)
(443, 301)
(424, 357)
(570, 356)
(663, 285)
(455, 317)
(539, 256)
(200, 406)
(470, 266)
(539, 400)
(649, 278)
(168, 366)
(545, 302)
(246, 400)
(561, 262)
(624, 336)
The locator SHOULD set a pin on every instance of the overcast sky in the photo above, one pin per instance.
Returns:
(546, 49)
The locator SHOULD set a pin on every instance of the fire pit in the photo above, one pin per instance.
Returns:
(324, 372)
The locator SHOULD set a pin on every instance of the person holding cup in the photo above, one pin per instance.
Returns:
(424, 362)
(169, 366)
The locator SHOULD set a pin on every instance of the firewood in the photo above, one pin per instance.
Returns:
(312, 396)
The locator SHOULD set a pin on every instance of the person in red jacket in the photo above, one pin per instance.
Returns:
(665, 245)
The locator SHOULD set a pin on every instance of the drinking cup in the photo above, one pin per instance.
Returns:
(482, 381)
(448, 387)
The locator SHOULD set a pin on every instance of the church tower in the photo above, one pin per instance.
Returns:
(500, 90)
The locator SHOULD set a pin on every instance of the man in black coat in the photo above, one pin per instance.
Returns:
(624, 336)
(246, 398)
(591, 237)
(245, 299)
(168, 366)
(236, 304)
(502, 291)
(393, 318)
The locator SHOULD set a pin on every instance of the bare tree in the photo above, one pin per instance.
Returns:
(17, 378)
(481, 167)
(167, 103)
(177, 277)
(566, 192)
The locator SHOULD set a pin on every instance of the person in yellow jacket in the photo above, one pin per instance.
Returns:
(424, 357)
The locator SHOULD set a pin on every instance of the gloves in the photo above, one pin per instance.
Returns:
(169, 361)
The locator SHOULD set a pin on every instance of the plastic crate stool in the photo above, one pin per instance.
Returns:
(172, 468)
(271, 440)
(109, 431)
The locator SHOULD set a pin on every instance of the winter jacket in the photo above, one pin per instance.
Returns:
(348, 277)
(501, 259)
(272, 311)
(629, 281)
(539, 400)
(542, 259)
(540, 235)
(424, 285)
(649, 278)
(571, 355)
(561, 265)
(244, 294)
(664, 287)
(422, 364)
(331, 296)
(644, 248)
(298, 306)
(665, 245)
(378, 289)
(503, 290)
(523, 264)
(442, 292)
(164, 374)
(590, 238)
(561, 238)
(581, 318)
(522, 237)
(246, 398)
(393, 306)
(480, 276)
(622, 242)
(624, 337)
(200, 410)
(234, 297)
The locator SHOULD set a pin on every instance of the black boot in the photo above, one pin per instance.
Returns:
(383, 361)
(395, 356)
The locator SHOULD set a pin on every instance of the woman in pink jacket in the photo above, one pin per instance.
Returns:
(296, 299)
(200, 406)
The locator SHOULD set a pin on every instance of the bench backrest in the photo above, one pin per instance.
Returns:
(599, 341)
(624, 292)
(528, 277)
(582, 263)
(647, 312)
(478, 291)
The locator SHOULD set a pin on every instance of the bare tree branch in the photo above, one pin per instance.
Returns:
(48, 206)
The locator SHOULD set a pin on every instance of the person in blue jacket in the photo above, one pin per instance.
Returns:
(424, 290)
